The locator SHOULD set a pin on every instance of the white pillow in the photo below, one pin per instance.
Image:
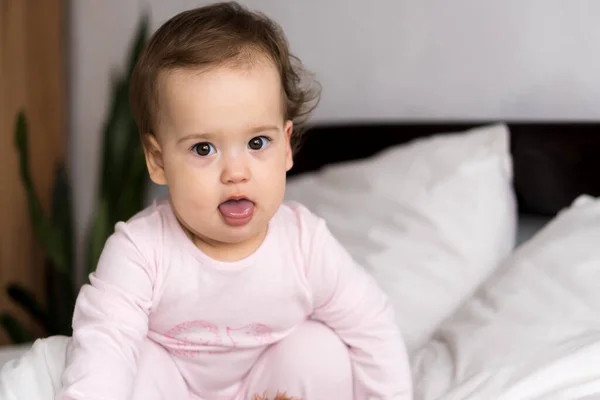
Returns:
(533, 329)
(430, 219)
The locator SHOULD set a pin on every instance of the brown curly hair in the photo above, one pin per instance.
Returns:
(221, 34)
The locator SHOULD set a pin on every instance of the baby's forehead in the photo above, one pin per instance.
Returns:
(221, 100)
(221, 89)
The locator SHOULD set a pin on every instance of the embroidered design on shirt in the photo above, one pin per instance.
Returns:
(191, 337)
(260, 332)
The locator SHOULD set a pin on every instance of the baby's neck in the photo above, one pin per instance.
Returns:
(227, 252)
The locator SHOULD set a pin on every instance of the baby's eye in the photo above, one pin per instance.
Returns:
(203, 149)
(258, 143)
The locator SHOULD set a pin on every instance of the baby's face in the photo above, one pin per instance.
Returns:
(225, 149)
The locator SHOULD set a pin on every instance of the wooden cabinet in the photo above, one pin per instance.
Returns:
(33, 43)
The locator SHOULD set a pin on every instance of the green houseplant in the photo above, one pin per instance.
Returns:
(121, 193)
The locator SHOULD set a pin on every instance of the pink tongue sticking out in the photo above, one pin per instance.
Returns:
(236, 208)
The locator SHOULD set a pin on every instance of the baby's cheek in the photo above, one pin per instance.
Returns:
(192, 172)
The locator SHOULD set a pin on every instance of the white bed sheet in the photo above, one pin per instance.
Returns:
(35, 373)
(8, 353)
(532, 330)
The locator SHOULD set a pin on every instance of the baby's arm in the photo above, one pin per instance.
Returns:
(348, 299)
(109, 324)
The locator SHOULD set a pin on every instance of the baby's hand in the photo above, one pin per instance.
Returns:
(278, 396)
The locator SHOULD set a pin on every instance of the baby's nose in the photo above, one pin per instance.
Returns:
(236, 170)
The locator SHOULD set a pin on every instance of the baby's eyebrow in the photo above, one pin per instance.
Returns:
(263, 128)
(198, 136)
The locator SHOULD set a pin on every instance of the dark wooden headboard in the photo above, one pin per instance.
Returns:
(553, 162)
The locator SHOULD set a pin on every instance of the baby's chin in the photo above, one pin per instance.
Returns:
(228, 235)
(214, 230)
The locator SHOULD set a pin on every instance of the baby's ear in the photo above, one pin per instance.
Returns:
(154, 160)
(289, 153)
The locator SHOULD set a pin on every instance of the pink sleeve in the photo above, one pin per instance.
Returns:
(109, 324)
(348, 300)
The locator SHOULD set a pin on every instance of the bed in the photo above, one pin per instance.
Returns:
(484, 235)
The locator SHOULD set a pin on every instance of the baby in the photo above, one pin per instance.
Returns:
(223, 291)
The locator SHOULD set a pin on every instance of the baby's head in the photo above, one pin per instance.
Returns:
(220, 103)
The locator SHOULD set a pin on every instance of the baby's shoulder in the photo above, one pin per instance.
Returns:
(298, 223)
(153, 218)
(146, 229)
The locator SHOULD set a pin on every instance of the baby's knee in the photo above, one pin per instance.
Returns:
(311, 363)
(315, 350)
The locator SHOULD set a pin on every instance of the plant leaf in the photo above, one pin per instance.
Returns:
(62, 214)
(133, 191)
(133, 183)
(60, 288)
(100, 231)
(61, 297)
(68, 297)
(52, 292)
(120, 131)
(49, 237)
(138, 44)
(15, 330)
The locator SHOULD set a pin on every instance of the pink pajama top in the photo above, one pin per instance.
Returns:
(216, 318)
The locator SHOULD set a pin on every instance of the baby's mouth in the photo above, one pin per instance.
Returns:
(237, 211)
